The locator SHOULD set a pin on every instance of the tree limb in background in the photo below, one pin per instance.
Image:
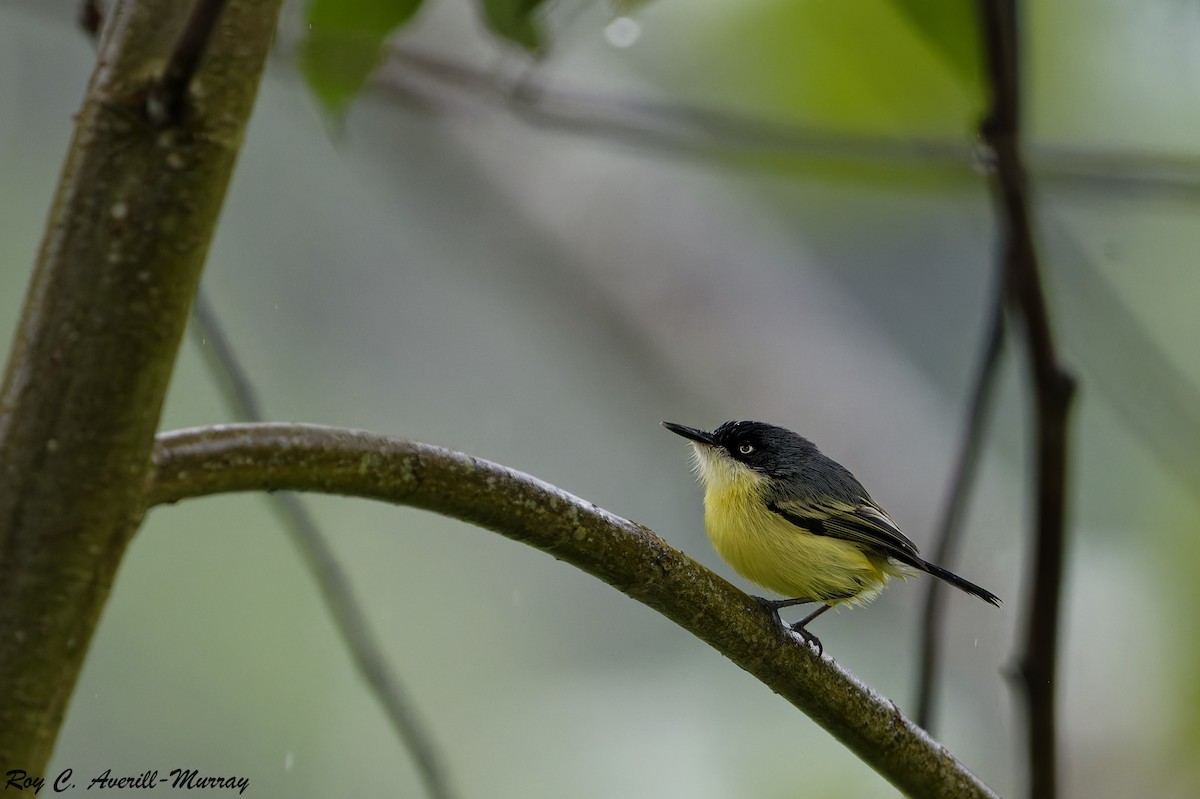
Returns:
(1053, 388)
(440, 84)
(631, 558)
(961, 481)
(336, 588)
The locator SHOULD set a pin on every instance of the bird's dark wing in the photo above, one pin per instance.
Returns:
(862, 522)
(866, 523)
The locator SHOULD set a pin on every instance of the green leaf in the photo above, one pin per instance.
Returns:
(950, 28)
(343, 45)
(515, 20)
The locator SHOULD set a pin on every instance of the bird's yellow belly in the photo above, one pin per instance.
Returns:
(771, 552)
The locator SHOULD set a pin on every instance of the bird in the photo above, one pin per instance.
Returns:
(799, 524)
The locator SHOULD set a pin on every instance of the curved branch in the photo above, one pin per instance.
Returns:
(626, 555)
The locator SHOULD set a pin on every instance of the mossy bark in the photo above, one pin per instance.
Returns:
(99, 332)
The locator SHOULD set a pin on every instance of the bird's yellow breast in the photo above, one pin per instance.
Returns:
(770, 551)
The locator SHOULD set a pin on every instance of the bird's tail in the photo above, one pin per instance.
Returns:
(959, 582)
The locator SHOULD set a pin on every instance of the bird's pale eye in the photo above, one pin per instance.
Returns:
(746, 449)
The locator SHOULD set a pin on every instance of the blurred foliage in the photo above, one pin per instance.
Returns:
(951, 28)
(806, 55)
(874, 66)
(345, 39)
(344, 42)
(515, 20)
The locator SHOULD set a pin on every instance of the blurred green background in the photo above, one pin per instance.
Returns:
(439, 267)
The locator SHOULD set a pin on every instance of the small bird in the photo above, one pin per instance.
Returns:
(797, 523)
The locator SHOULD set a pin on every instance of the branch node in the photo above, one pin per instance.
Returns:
(166, 102)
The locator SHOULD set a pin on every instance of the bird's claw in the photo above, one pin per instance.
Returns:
(807, 637)
(782, 628)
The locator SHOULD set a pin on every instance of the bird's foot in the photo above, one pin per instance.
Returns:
(807, 637)
(799, 629)
(772, 606)
(782, 628)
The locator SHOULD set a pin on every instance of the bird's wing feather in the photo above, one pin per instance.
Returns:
(860, 522)
(866, 523)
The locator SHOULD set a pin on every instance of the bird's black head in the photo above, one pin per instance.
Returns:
(765, 448)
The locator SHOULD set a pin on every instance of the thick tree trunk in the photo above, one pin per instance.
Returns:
(99, 332)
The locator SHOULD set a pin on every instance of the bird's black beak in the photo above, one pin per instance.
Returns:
(690, 433)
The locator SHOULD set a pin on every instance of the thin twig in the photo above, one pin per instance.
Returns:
(336, 588)
(628, 556)
(167, 99)
(656, 123)
(962, 479)
(235, 384)
(1052, 385)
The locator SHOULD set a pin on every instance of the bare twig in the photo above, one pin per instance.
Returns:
(1053, 388)
(235, 384)
(191, 463)
(167, 98)
(963, 477)
(335, 586)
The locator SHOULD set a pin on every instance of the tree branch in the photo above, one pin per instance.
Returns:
(1053, 389)
(683, 129)
(276, 457)
(94, 349)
